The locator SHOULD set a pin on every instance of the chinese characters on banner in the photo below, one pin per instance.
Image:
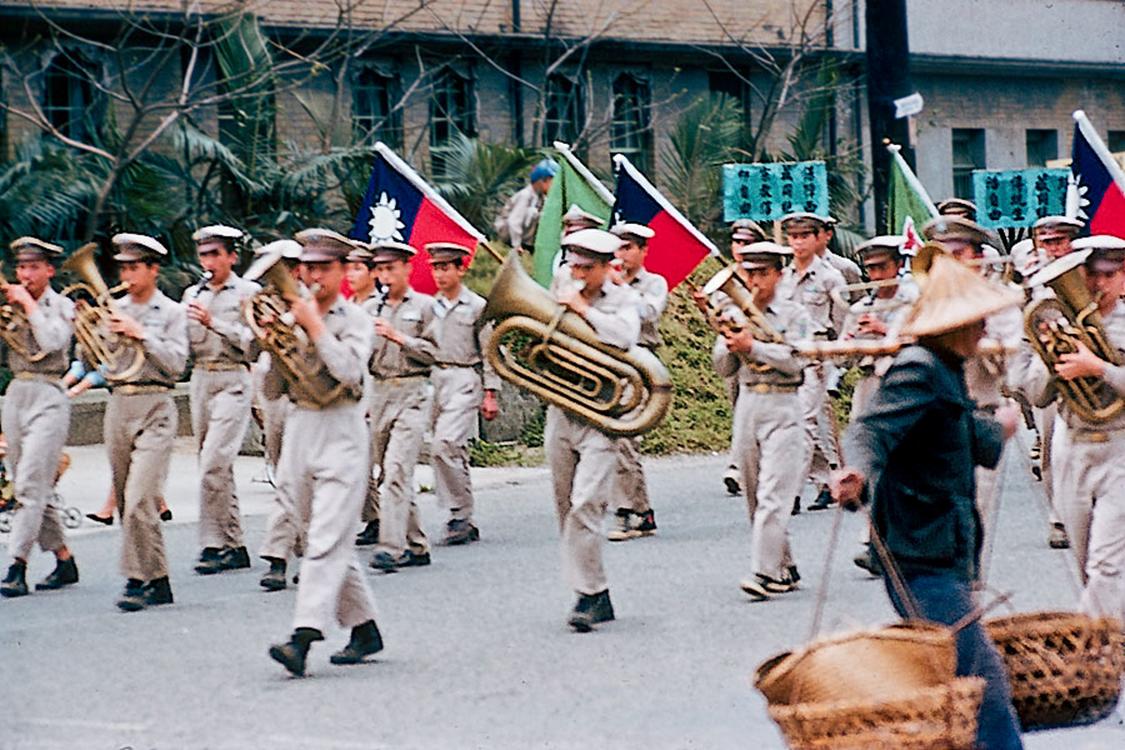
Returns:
(765, 192)
(1013, 198)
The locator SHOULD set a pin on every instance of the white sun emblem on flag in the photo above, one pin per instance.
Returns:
(384, 222)
(1083, 201)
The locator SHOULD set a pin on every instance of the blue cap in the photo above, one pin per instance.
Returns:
(545, 169)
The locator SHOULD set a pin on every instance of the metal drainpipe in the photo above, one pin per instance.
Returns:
(515, 86)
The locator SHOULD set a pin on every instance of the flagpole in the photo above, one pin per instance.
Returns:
(1100, 148)
(582, 169)
(622, 162)
(911, 178)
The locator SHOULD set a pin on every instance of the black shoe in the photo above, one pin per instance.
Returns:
(228, 558)
(823, 501)
(388, 563)
(647, 523)
(1058, 538)
(106, 520)
(158, 591)
(869, 561)
(369, 535)
(291, 655)
(589, 610)
(460, 531)
(794, 575)
(208, 559)
(274, 580)
(64, 574)
(15, 583)
(365, 641)
(236, 558)
(796, 506)
(730, 479)
(166, 514)
(133, 600)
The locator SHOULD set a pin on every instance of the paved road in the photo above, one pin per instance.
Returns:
(477, 654)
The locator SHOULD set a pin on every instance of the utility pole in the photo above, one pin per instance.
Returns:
(888, 79)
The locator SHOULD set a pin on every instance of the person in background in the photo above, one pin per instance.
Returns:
(518, 218)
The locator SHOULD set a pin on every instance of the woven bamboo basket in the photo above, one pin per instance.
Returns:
(1064, 667)
(941, 717)
(874, 665)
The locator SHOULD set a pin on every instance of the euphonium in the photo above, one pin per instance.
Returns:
(14, 328)
(542, 347)
(267, 314)
(729, 283)
(119, 357)
(1056, 327)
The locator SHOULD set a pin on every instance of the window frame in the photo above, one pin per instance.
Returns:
(439, 112)
(569, 124)
(368, 126)
(84, 118)
(632, 136)
(1049, 136)
(963, 171)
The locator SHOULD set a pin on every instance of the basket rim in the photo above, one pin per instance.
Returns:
(829, 708)
(1052, 618)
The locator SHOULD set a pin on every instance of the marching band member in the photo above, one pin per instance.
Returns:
(634, 515)
(1089, 474)
(583, 459)
(36, 415)
(404, 352)
(576, 218)
(464, 384)
(321, 473)
(285, 532)
(221, 392)
(141, 418)
(911, 455)
(809, 281)
(985, 374)
(767, 418)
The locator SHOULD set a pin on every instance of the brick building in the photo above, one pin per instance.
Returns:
(999, 78)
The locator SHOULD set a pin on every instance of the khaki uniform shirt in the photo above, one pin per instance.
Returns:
(766, 363)
(518, 216)
(50, 329)
(652, 297)
(613, 316)
(413, 317)
(343, 351)
(459, 344)
(166, 340)
(813, 289)
(229, 338)
(986, 374)
(848, 269)
(891, 312)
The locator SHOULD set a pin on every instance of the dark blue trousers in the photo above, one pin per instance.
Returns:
(945, 599)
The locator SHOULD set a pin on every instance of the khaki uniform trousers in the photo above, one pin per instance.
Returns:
(36, 420)
(629, 486)
(285, 531)
(1090, 497)
(139, 432)
(1045, 424)
(321, 478)
(583, 462)
(768, 437)
(821, 453)
(220, 415)
(732, 393)
(400, 410)
(458, 393)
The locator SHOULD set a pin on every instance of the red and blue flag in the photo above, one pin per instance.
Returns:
(677, 246)
(399, 205)
(1100, 181)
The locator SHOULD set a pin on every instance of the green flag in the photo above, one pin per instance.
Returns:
(908, 204)
(574, 184)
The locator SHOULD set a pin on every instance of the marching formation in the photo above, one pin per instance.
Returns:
(941, 360)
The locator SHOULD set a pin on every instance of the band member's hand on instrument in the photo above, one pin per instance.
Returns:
(739, 340)
(489, 408)
(576, 302)
(846, 486)
(307, 315)
(199, 313)
(700, 299)
(616, 272)
(18, 295)
(870, 324)
(125, 325)
(1082, 363)
(1008, 416)
(387, 331)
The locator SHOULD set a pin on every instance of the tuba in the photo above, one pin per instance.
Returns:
(14, 328)
(119, 357)
(542, 347)
(1056, 327)
(267, 314)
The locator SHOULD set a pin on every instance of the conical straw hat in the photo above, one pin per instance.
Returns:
(954, 296)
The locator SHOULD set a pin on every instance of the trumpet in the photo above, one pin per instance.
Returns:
(14, 326)
(120, 358)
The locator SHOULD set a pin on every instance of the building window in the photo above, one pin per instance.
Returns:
(1042, 147)
(968, 154)
(373, 97)
(725, 83)
(630, 131)
(69, 97)
(565, 115)
(1115, 140)
(452, 113)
